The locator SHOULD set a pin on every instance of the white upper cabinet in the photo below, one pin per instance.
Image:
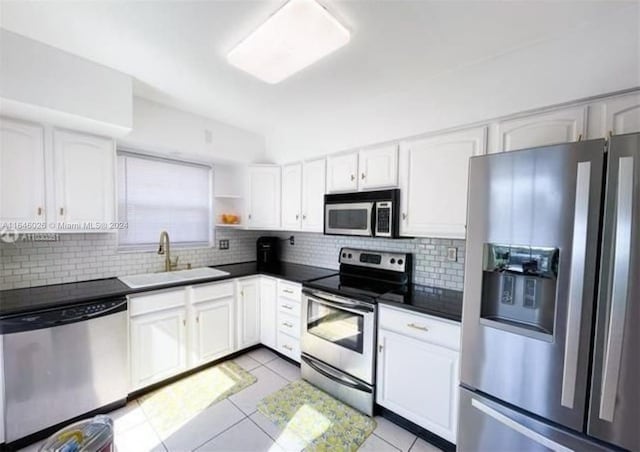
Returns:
(291, 197)
(342, 172)
(433, 182)
(378, 167)
(313, 190)
(559, 126)
(368, 169)
(263, 197)
(84, 171)
(623, 115)
(21, 172)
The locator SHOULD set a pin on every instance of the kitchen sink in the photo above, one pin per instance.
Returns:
(157, 279)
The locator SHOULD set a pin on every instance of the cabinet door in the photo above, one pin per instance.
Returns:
(263, 197)
(291, 197)
(406, 365)
(268, 312)
(623, 114)
(158, 346)
(342, 172)
(560, 126)
(378, 167)
(84, 175)
(248, 303)
(433, 179)
(213, 326)
(313, 190)
(21, 172)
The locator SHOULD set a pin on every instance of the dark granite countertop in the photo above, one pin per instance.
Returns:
(17, 301)
(434, 301)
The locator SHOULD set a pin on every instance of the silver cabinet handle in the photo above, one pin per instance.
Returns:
(353, 177)
(39, 211)
(287, 306)
(297, 216)
(304, 216)
(518, 427)
(288, 347)
(61, 210)
(415, 326)
(619, 294)
(287, 290)
(363, 176)
(249, 216)
(287, 324)
(404, 216)
(576, 284)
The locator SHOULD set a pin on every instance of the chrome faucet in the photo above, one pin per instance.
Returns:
(165, 248)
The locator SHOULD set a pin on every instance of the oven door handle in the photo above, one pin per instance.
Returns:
(331, 374)
(337, 302)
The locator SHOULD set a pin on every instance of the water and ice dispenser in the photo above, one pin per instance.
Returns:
(519, 288)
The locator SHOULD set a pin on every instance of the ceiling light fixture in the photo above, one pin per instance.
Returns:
(294, 37)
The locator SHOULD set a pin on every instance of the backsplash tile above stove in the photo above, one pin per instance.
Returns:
(431, 266)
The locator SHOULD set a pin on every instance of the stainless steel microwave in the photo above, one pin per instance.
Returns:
(366, 213)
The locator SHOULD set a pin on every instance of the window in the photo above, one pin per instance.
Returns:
(157, 194)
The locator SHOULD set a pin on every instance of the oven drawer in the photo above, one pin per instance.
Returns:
(289, 324)
(288, 346)
(420, 326)
(289, 291)
(290, 307)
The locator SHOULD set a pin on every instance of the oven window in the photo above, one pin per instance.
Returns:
(343, 328)
(349, 219)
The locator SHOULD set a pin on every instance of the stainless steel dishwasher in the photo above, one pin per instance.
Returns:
(62, 363)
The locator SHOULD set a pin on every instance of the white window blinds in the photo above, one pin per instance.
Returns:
(156, 194)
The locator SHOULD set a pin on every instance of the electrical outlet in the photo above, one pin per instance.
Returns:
(292, 240)
(223, 244)
(452, 254)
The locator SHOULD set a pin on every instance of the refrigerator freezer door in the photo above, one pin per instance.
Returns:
(488, 426)
(530, 348)
(615, 397)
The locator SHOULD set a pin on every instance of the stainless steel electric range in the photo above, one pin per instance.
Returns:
(339, 325)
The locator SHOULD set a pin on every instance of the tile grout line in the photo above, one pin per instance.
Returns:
(390, 443)
(223, 431)
(413, 444)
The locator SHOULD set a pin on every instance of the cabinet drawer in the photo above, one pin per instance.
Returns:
(156, 301)
(420, 326)
(289, 346)
(290, 291)
(205, 292)
(289, 324)
(289, 307)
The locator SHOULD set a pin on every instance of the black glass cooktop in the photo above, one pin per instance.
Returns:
(354, 287)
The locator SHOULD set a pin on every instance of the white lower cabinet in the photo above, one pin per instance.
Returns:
(211, 322)
(158, 346)
(248, 311)
(268, 317)
(418, 377)
(289, 314)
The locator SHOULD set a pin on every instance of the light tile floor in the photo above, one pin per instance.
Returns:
(235, 424)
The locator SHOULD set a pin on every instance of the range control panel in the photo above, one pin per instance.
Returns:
(383, 260)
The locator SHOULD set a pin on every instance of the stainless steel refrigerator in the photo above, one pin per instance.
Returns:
(551, 316)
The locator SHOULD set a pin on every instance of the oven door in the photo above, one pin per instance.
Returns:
(340, 332)
(349, 218)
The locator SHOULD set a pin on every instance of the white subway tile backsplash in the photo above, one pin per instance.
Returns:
(77, 257)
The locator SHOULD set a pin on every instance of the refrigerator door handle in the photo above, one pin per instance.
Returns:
(619, 295)
(576, 284)
(518, 427)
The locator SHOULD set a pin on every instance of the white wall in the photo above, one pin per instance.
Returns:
(163, 129)
(42, 83)
(588, 61)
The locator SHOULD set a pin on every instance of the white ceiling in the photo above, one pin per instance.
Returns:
(177, 49)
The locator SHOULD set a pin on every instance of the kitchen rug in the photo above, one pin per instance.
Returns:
(315, 418)
(172, 406)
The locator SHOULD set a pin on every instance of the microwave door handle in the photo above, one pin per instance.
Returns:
(373, 219)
